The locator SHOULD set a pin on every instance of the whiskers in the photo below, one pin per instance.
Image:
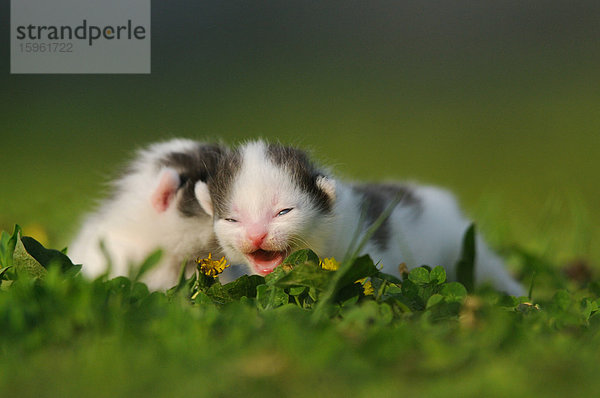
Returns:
(298, 242)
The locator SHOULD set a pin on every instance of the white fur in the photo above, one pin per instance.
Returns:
(131, 227)
(432, 237)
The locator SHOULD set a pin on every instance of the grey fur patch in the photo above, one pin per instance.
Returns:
(303, 171)
(377, 197)
(196, 164)
(219, 185)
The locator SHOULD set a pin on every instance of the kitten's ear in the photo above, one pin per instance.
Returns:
(203, 196)
(327, 185)
(164, 193)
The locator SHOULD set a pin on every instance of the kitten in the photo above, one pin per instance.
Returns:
(268, 200)
(153, 206)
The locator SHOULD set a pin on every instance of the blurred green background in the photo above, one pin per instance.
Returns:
(497, 100)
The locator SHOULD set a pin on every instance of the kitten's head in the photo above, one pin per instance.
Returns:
(267, 201)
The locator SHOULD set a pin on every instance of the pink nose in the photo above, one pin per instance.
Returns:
(257, 239)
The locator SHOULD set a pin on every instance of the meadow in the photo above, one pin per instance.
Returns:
(498, 103)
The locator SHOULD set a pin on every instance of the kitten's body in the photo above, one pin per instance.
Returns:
(269, 200)
(426, 227)
(153, 206)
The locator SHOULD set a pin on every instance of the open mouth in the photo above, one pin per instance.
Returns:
(264, 262)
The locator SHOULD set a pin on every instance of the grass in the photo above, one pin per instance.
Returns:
(63, 335)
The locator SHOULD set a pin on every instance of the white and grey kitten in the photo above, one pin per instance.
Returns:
(153, 206)
(269, 200)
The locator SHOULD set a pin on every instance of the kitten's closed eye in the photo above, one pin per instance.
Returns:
(231, 220)
(284, 212)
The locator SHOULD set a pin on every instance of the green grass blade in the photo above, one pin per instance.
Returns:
(530, 292)
(465, 268)
(7, 246)
(336, 283)
(150, 262)
(374, 227)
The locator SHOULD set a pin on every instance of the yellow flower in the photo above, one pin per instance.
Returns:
(368, 288)
(210, 267)
(329, 264)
